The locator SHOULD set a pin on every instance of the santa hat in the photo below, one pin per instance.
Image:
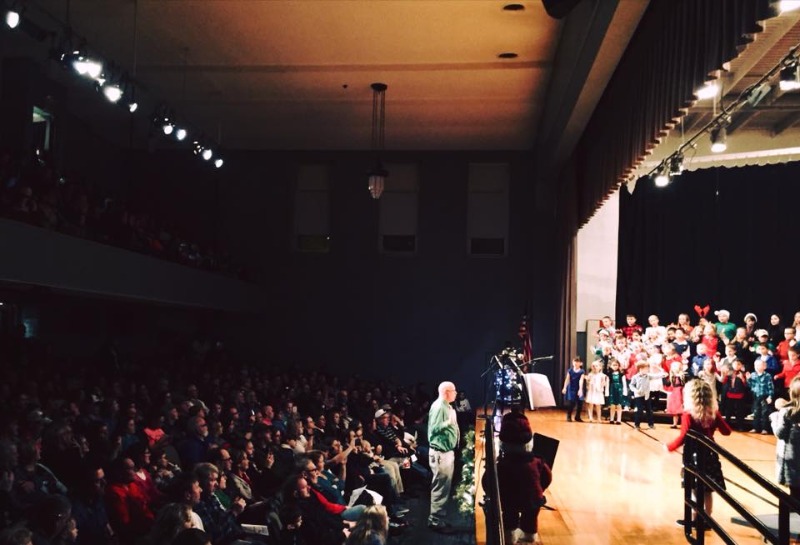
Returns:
(515, 429)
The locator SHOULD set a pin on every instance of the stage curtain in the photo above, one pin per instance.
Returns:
(722, 237)
(677, 45)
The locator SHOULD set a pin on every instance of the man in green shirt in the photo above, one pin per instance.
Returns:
(443, 439)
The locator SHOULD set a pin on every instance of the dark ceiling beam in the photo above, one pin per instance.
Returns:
(786, 123)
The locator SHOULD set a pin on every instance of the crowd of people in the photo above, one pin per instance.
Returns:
(32, 191)
(211, 453)
(747, 368)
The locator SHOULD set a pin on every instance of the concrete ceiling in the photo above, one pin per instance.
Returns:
(296, 74)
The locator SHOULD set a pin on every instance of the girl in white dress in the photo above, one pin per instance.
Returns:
(596, 389)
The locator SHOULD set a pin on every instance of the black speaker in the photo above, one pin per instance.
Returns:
(545, 448)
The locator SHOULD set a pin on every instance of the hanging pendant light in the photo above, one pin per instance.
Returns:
(378, 174)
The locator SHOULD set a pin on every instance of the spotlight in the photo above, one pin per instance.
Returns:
(207, 154)
(12, 18)
(180, 134)
(790, 77)
(709, 90)
(661, 177)
(133, 106)
(112, 92)
(676, 165)
(218, 162)
(719, 137)
(87, 67)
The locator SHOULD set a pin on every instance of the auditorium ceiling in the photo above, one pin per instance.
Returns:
(296, 74)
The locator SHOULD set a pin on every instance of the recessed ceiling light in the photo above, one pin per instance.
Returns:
(514, 7)
(508, 55)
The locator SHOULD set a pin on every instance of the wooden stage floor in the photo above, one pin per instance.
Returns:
(616, 485)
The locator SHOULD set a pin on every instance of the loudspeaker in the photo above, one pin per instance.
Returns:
(545, 448)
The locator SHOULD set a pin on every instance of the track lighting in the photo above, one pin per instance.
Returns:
(13, 18)
(112, 92)
(719, 137)
(661, 177)
(676, 165)
(785, 6)
(207, 154)
(790, 77)
(87, 67)
(218, 162)
(709, 90)
(180, 134)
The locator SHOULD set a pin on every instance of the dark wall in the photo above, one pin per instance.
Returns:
(434, 315)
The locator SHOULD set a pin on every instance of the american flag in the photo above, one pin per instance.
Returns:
(525, 334)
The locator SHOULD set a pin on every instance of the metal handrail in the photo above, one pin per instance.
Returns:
(493, 509)
(696, 480)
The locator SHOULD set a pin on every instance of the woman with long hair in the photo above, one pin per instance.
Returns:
(372, 527)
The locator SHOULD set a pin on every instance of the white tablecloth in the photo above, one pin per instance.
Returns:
(540, 393)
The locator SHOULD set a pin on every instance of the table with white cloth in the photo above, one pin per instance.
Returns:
(540, 393)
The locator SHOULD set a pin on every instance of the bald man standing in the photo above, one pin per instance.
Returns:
(443, 439)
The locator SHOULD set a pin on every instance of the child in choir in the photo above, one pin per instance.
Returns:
(683, 323)
(670, 356)
(657, 372)
(724, 328)
(782, 350)
(763, 339)
(596, 390)
(608, 324)
(676, 379)
(730, 356)
(631, 327)
(710, 340)
(617, 393)
(760, 384)
(742, 345)
(655, 334)
(604, 346)
(763, 354)
(750, 326)
(791, 368)
(734, 387)
(699, 361)
(573, 390)
(701, 415)
(640, 387)
(681, 344)
(708, 376)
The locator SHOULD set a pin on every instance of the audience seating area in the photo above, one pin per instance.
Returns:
(120, 455)
(33, 192)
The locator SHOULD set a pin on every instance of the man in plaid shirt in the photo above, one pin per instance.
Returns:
(220, 524)
(761, 386)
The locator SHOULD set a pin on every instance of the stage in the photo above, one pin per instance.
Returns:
(616, 485)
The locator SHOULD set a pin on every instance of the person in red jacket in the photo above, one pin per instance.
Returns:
(522, 478)
(702, 416)
(128, 512)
